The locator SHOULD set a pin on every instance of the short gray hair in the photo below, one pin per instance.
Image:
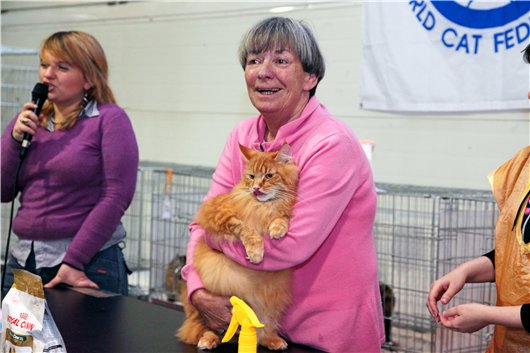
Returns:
(284, 33)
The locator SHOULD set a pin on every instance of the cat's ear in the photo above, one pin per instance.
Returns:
(247, 152)
(284, 154)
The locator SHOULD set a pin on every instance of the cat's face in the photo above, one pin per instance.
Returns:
(269, 175)
(262, 179)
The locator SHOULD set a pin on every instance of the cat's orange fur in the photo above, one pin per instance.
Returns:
(261, 203)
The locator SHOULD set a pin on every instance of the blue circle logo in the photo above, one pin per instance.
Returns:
(474, 14)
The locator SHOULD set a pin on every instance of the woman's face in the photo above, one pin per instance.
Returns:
(66, 82)
(277, 84)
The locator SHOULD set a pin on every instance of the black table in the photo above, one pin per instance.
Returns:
(98, 324)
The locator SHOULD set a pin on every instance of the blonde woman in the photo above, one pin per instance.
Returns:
(79, 174)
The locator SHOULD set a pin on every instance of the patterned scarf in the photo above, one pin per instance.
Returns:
(526, 223)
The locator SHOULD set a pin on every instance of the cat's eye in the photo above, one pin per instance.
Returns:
(269, 175)
(251, 176)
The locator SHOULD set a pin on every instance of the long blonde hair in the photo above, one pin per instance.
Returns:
(83, 51)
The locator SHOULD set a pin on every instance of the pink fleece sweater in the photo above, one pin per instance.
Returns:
(336, 302)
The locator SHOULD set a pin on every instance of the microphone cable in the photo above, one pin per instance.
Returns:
(6, 254)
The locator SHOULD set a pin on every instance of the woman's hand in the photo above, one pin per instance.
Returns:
(444, 289)
(27, 122)
(466, 318)
(215, 310)
(478, 270)
(473, 317)
(71, 276)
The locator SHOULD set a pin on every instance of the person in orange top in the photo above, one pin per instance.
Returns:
(508, 265)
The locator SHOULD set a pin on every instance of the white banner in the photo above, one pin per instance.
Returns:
(443, 56)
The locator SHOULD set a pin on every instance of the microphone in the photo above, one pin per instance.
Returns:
(38, 96)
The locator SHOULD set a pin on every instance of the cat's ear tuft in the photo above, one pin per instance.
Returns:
(284, 154)
(247, 152)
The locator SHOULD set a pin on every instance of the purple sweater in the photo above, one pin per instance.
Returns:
(74, 183)
(336, 301)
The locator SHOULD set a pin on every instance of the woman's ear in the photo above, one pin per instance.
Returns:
(88, 85)
(310, 82)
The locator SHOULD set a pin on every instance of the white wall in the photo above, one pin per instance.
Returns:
(174, 68)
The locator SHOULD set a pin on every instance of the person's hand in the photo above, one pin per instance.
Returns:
(71, 276)
(215, 310)
(466, 318)
(444, 289)
(27, 122)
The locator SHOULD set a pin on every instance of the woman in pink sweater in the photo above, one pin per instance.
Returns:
(336, 303)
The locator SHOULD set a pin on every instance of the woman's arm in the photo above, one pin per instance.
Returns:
(444, 289)
(472, 317)
(9, 161)
(119, 152)
(329, 176)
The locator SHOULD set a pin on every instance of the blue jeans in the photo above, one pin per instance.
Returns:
(107, 269)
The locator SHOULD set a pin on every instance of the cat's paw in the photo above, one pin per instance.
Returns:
(209, 340)
(274, 343)
(254, 248)
(255, 255)
(278, 228)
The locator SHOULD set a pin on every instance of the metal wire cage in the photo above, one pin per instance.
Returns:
(422, 234)
(157, 222)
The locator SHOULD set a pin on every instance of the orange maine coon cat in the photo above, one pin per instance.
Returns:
(259, 205)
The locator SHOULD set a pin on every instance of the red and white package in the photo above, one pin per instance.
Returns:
(27, 324)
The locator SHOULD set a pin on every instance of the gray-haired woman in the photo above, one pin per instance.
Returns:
(336, 305)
